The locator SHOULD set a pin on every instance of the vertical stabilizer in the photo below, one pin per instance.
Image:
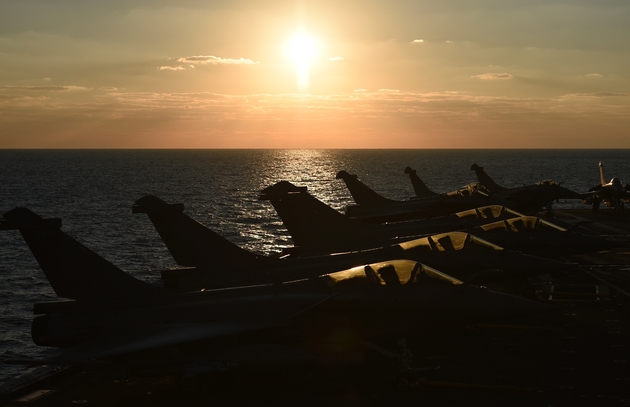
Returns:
(602, 179)
(362, 194)
(189, 242)
(73, 270)
(485, 180)
(310, 221)
(419, 187)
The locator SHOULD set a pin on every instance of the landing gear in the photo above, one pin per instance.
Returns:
(596, 204)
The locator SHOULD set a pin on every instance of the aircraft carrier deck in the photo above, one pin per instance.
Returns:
(577, 355)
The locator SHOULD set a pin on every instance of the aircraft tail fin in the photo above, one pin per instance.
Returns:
(362, 194)
(419, 187)
(73, 270)
(310, 221)
(602, 179)
(190, 242)
(485, 179)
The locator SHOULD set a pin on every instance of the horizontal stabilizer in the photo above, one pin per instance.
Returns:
(24, 221)
(280, 190)
(152, 204)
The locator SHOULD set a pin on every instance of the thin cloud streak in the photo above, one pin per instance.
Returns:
(212, 60)
(43, 88)
(494, 76)
(175, 68)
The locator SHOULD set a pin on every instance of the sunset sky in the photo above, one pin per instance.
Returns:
(314, 74)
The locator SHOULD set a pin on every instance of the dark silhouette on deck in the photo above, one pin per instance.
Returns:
(531, 198)
(317, 228)
(372, 207)
(122, 321)
(194, 245)
(613, 194)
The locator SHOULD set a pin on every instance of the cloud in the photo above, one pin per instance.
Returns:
(175, 68)
(44, 88)
(493, 76)
(212, 60)
(360, 90)
(597, 95)
(336, 59)
(594, 75)
(389, 90)
(417, 41)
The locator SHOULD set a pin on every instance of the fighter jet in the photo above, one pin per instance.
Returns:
(316, 228)
(192, 244)
(613, 193)
(115, 319)
(372, 207)
(531, 198)
(422, 191)
(538, 237)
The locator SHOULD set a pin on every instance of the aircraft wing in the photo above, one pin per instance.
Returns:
(142, 338)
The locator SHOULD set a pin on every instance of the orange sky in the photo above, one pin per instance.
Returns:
(399, 74)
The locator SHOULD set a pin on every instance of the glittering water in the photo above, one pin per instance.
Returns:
(92, 191)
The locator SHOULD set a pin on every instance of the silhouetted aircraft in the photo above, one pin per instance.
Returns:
(372, 207)
(194, 245)
(422, 191)
(538, 237)
(315, 227)
(115, 319)
(613, 193)
(531, 198)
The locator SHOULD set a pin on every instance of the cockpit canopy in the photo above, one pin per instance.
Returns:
(522, 223)
(449, 241)
(616, 182)
(487, 212)
(395, 272)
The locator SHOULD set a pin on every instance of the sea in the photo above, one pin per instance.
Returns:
(92, 191)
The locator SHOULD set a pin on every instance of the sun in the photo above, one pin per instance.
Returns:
(302, 49)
